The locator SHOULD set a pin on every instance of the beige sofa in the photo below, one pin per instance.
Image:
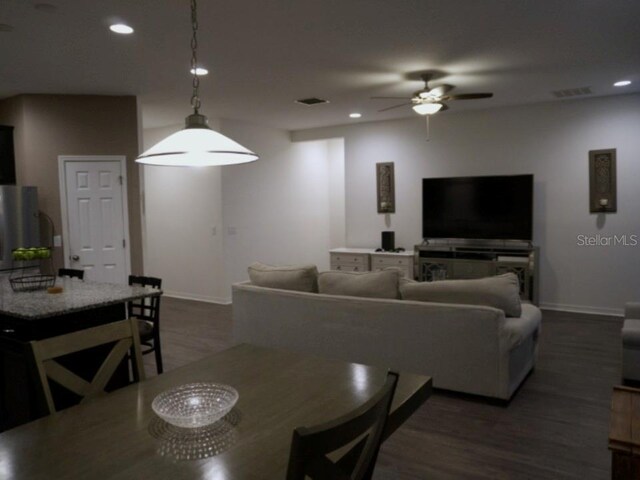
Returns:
(465, 348)
(631, 342)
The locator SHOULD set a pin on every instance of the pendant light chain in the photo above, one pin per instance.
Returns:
(197, 145)
(195, 97)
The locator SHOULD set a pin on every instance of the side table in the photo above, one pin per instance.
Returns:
(367, 259)
(401, 260)
(624, 433)
(350, 259)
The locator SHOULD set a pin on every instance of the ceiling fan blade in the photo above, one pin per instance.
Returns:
(390, 98)
(441, 90)
(444, 107)
(470, 96)
(395, 106)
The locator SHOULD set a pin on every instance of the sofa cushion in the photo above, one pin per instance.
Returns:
(382, 284)
(501, 292)
(302, 278)
(632, 310)
(404, 281)
(631, 333)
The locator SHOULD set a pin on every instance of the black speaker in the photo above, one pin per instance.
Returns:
(388, 241)
(7, 159)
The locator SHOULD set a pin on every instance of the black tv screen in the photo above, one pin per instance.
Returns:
(496, 207)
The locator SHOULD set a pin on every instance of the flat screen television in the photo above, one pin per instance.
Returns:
(492, 207)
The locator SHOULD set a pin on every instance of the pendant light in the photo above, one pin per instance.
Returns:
(197, 145)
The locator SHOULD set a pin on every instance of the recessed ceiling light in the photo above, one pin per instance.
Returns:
(5, 28)
(121, 28)
(622, 83)
(199, 71)
(355, 115)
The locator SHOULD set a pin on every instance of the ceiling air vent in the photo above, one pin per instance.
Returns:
(311, 101)
(572, 92)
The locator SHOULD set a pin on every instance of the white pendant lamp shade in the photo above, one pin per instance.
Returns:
(427, 108)
(197, 147)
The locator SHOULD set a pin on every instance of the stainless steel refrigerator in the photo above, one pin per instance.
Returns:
(19, 223)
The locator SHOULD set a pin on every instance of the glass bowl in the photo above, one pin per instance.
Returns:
(195, 404)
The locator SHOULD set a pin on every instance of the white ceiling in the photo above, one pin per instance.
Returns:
(264, 54)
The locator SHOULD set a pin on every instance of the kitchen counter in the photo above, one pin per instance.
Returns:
(78, 295)
(27, 316)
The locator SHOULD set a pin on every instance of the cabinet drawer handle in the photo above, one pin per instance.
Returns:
(338, 267)
(8, 330)
(355, 269)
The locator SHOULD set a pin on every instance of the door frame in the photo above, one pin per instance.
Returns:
(62, 177)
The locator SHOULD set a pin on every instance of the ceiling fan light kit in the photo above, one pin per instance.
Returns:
(427, 108)
(432, 100)
(197, 145)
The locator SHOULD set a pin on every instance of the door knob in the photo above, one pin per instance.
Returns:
(75, 258)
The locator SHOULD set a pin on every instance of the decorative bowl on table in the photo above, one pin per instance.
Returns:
(195, 404)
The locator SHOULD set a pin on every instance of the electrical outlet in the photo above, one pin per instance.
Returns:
(231, 230)
(214, 231)
(57, 240)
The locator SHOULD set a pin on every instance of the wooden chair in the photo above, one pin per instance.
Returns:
(125, 335)
(310, 446)
(71, 273)
(147, 312)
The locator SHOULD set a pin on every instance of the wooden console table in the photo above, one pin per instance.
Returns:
(451, 261)
(624, 433)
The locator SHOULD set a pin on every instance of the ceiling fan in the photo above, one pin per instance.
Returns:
(432, 100)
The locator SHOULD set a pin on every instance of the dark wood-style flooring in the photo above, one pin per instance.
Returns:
(556, 427)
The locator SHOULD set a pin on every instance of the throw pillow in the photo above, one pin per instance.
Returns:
(404, 280)
(302, 278)
(382, 284)
(501, 292)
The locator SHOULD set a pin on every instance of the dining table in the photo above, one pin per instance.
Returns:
(34, 315)
(118, 436)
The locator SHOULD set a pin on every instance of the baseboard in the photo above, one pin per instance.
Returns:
(616, 312)
(199, 298)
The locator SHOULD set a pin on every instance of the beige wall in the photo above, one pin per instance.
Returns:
(183, 217)
(50, 125)
(551, 140)
(277, 210)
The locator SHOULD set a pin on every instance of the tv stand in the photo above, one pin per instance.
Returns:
(440, 260)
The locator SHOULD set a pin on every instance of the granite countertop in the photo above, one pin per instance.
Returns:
(77, 295)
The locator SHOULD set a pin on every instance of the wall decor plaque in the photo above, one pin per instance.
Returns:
(385, 180)
(602, 181)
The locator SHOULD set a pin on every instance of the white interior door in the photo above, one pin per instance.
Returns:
(96, 219)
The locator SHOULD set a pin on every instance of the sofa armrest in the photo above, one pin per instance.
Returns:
(521, 328)
(632, 310)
